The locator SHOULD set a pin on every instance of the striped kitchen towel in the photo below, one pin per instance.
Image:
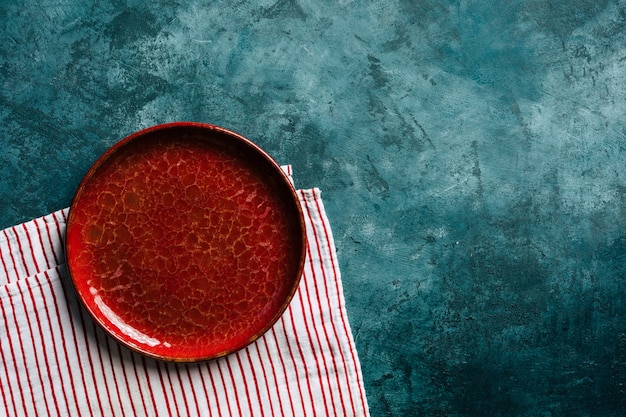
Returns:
(56, 361)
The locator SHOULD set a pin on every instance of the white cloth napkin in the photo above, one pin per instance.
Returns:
(56, 361)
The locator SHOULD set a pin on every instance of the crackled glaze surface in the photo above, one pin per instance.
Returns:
(185, 245)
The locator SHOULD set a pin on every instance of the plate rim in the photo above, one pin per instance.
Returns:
(116, 334)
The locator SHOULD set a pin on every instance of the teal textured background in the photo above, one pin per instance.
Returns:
(471, 156)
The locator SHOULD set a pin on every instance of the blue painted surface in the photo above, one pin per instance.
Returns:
(471, 156)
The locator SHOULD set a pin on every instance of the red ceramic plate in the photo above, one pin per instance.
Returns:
(185, 241)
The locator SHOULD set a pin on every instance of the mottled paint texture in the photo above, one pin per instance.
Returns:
(471, 155)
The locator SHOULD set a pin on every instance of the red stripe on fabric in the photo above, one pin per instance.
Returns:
(273, 368)
(315, 282)
(6, 369)
(59, 234)
(63, 342)
(43, 250)
(32, 340)
(267, 386)
(31, 248)
(19, 338)
(295, 366)
(141, 395)
(302, 359)
(21, 251)
(316, 355)
(182, 389)
(219, 368)
(171, 386)
(167, 400)
(4, 395)
(200, 371)
(17, 274)
(232, 379)
(339, 292)
(115, 371)
(101, 362)
(145, 368)
(92, 360)
(193, 391)
(217, 402)
(43, 348)
(107, 350)
(311, 318)
(56, 260)
(245, 383)
(54, 345)
(125, 375)
(4, 266)
(73, 326)
(6, 384)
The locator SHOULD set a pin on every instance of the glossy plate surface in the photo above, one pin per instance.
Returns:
(185, 241)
